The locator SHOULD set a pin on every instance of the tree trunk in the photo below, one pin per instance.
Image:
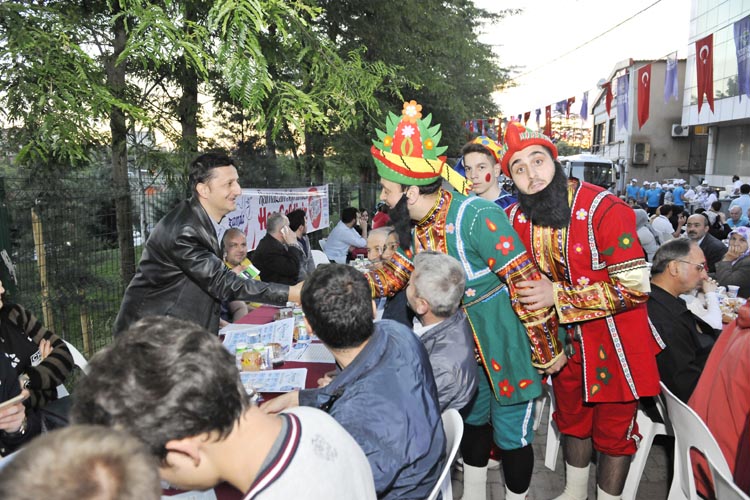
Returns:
(314, 147)
(118, 128)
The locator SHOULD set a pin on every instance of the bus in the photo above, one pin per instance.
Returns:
(591, 168)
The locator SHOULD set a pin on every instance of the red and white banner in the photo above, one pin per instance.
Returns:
(704, 64)
(255, 205)
(644, 94)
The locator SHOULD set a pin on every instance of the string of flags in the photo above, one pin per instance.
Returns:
(492, 127)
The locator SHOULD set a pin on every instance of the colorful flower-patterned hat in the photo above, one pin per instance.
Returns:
(518, 137)
(408, 152)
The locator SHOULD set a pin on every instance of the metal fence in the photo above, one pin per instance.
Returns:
(60, 235)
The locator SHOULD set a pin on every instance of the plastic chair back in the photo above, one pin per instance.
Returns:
(319, 257)
(79, 360)
(725, 487)
(453, 425)
(689, 432)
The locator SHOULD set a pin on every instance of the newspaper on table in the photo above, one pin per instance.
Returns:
(274, 380)
(280, 332)
(310, 353)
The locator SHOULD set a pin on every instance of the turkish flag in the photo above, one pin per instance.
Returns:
(644, 93)
(548, 121)
(704, 63)
(607, 87)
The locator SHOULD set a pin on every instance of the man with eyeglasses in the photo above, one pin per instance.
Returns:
(678, 268)
(697, 230)
(381, 244)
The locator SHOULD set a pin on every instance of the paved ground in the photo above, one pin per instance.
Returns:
(547, 484)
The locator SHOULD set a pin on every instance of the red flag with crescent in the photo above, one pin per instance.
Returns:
(644, 93)
(607, 87)
(704, 63)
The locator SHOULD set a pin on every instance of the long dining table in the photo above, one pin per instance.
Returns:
(224, 491)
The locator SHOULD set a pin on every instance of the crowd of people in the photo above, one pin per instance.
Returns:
(474, 294)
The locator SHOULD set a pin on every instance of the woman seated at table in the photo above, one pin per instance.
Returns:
(41, 359)
(734, 269)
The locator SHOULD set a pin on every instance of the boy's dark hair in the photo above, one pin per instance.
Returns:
(475, 147)
(349, 214)
(337, 303)
(160, 380)
(296, 218)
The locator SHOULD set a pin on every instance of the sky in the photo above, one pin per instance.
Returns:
(543, 41)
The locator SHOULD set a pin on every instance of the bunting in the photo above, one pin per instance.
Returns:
(623, 83)
(704, 63)
(607, 87)
(548, 122)
(571, 100)
(538, 113)
(526, 117)
(585, 106)
(742, 47)
(644, 93)
(670, 79)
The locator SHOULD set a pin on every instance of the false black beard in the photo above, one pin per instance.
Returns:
(401, 222)
(549, 207)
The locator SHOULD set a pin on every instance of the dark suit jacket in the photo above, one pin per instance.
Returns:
(277, 263)
(714, 251)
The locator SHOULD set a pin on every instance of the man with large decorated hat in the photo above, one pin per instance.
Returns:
(513, 342)
(583, 239)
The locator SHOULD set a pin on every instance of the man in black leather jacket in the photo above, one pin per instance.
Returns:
(181, 273)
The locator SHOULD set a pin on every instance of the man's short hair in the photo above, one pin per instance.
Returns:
(716, 205)
(296, 218)
(676, 249)
(349, 214)
(337, 302)
(82, 462)
(162, 379)
(275, 222)
(230, 233)
(439, 279)
(201, 170)
(745, 188)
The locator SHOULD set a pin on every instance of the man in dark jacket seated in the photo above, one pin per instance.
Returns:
(279, 255)
(17, 424)
(434, 293)
(680, 267)
(384, 393)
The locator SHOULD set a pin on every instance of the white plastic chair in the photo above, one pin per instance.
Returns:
(725, 487)
(79, 361)
(322, 243)
(453, 425)
(648, 430)
(689, 432)
(319, 257)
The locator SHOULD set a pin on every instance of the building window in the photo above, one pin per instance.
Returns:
(611, 131)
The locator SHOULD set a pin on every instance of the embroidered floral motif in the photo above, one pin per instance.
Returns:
(407, 131)
(450, 228)
(594, 389)
(412, 111)
(578, 248)
(491, 262)
(521, 218)
(505, 388)
(523, 384)
(496, 366)
(428, 144)
(388, 141)
(470, 292)
(626, 241)
(602, 373)
(505, 245)
(583, 281)
(581, 214)
(490, 225)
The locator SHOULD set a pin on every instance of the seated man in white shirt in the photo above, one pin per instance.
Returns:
(434, 293)
(344, 237)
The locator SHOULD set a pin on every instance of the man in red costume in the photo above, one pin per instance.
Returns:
(583, 240)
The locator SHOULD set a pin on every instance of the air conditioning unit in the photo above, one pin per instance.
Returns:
(641, 153)
(679, 131)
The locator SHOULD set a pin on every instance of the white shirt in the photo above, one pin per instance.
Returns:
(663, 229)
(341, 238)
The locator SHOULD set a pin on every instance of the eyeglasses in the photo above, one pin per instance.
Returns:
(381, 249)
(698, 267)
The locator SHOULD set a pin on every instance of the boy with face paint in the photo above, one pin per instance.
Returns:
(482, 167)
